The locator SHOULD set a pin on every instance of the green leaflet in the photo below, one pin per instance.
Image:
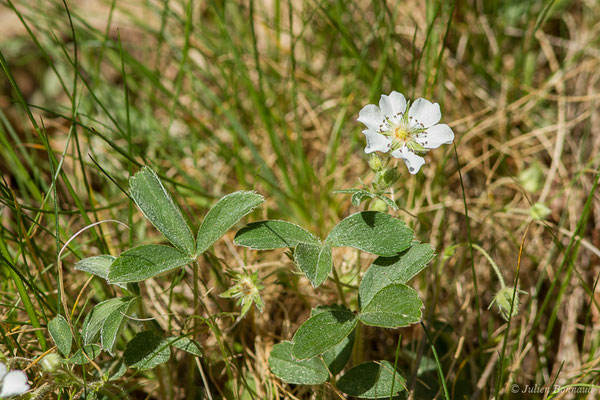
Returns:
(322, 332)
(146, 350)
(314, 261)
(93, 322)
(289, 369)
(61, 334)
(98, 265)
(113, 325)
(157, 205)
(398, 269)
(91, 350)
(372, 380)
(269, 235)
(337, 357)
(394, 306)
(143, 262)
(371, 231)
(186, 344)
(223, 215)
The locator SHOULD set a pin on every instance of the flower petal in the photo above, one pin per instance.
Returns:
(423, 113)
(376, 142)
(372, 117)
(413, 162)
(393, 106)
(435, 136)
(386, 106)
(14, 383)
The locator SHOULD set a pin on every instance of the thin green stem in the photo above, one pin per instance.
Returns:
(470, 240)
(510, 314)
(338, 284)
(395, 366)
(196, 289)
(357, 351)
(494, 265)
(437, 362)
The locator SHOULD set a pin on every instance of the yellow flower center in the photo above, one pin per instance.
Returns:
(401, 133)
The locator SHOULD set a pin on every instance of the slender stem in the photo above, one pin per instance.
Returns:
(357, 352)
(196, 289)
(203, 376)
(437, 362)
(470, 240)
(510, 314)
(494, 265)
(339, 287)
(395, 366)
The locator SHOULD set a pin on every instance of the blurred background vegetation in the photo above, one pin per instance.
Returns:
(219, 96)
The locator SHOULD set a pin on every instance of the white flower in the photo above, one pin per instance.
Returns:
(408, 134)
(12, 383)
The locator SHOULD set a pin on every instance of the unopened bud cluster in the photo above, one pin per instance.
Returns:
(385, 177)
(505, 304)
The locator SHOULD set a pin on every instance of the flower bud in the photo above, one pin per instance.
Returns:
(246, 289)
(385, 178)
(449, 251)
(504, 299)
(51, 362)
(531, 178)
(375, 162)
(539, 211)
(378, 205)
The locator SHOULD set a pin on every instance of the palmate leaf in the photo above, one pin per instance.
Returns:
(157, 205)
(398, 269)
(372, 380)
(291, 370)
(223, 215)
(371, 231)
(322, 332)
